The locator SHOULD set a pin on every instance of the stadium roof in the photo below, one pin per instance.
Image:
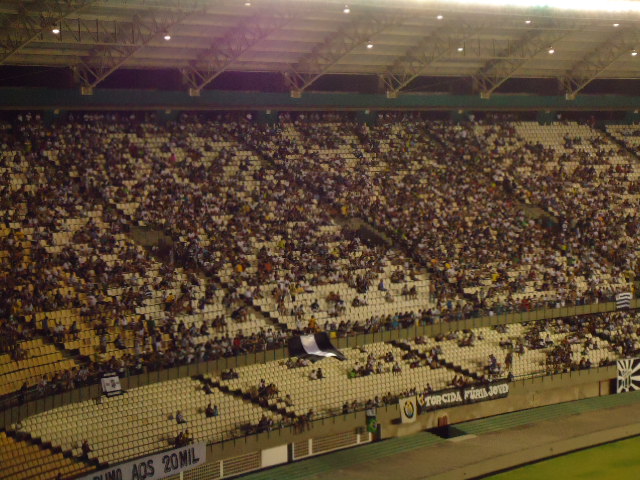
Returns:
(397, 41)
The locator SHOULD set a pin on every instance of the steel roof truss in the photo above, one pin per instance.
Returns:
(429, 50)
(224, 51)
(126, 39)
(31, 21)
(497, 71)
(597, 61)
(336, 46)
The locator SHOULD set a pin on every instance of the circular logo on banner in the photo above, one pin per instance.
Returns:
(409, 409)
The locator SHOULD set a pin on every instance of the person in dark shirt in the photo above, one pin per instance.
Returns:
(211, 411)
(86, 449)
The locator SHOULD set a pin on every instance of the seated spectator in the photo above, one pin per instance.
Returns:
(180, 417)
(18, 353)
(182, 439)
(211, 411)
(59, 332)
(313, 325)
(74, 330)
(357, 302)
(86, 449)
(264, 424)
(229, 374)
(119, 343)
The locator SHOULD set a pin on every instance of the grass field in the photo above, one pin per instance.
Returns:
(613, 461)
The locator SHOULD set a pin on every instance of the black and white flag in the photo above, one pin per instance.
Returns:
(314, 347)
(111, 384)
(623, 300)
(628, 375)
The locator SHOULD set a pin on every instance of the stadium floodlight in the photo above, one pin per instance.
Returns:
(581, 5)
(346, 10)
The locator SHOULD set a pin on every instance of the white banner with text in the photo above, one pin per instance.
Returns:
(155, 467)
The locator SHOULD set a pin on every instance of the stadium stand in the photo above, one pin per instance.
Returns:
(21, 460)
(29, 362)
(519, 275)
(296, 269)
(143, 420)
(275, 237)
(375, 373)
(443, 195)
(259, 241)
(627, 135)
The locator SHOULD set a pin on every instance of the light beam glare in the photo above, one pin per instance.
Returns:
(582, 5)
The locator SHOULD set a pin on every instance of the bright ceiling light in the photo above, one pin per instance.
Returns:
(247, 4)
(167, 37)
(551, 50)
(369, 45)
(439, 17)
(461, 49)
(55, 30)
(616, 24)
(528, 22)
(346, 9)
(634, 53)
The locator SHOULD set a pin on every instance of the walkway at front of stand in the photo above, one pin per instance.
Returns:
(510, 438)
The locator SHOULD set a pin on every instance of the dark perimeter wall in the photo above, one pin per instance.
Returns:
(120, 99)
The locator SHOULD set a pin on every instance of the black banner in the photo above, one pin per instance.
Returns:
(462, 395)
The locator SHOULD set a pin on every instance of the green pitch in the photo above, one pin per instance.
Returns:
(615, 461)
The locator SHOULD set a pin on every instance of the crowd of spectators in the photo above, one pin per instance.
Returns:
(585, 183)
(251, 211)
(567, 342)
(375, 365)
(439, 189)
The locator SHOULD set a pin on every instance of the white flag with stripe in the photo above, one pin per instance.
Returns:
(314, 347)
(623, 300)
